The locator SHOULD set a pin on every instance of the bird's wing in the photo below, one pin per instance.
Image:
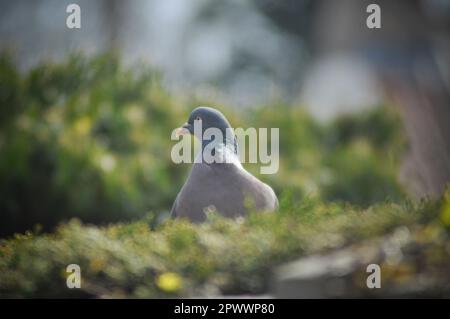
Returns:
(173, 211)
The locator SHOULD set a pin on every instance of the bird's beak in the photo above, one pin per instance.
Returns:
(184, 130)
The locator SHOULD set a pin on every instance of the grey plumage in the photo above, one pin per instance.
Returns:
(225, 187)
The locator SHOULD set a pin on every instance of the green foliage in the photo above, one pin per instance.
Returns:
(88, 141)
(88, 138)
(221, 256)
(84, 138)
(353, 159)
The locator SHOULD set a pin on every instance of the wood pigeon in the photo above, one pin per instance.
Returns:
(223, 186)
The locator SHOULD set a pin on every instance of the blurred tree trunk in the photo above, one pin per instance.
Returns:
(114, 12)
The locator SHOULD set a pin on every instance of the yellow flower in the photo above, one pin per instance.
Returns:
(445, 213)
(169, 282)
(97, 264)
(83, 125)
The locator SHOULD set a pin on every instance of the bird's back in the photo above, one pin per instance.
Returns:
(227, 188)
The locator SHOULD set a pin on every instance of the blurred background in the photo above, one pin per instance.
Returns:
(86, 114)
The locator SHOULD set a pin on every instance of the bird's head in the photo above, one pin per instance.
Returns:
(204, 118)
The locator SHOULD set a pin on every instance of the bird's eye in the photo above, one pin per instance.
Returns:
(198, 118)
